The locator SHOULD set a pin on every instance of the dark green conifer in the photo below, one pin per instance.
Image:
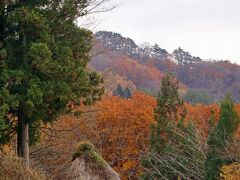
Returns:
(124, 93)
(162, 135)
(168, 103)
(220, 137)
(43, 58)
(118, 91)
(127, 93)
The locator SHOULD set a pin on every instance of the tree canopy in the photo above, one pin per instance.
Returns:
(195, 96)
(43, 60)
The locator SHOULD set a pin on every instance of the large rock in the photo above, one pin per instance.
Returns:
(87, 164)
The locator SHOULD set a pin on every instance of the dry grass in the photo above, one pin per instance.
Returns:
(13, 168)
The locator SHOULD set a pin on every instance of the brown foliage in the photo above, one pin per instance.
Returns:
(124, 131)
(201, 113)
(112, 80)
(13, 168)
(119, 128)
(141, 75)
(230, 172)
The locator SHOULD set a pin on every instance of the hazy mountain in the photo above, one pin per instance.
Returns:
(145, 65)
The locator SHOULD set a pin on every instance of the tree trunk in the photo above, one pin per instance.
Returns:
(23, 131)
(23, 138)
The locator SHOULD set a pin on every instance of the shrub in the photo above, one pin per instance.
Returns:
(11, 167)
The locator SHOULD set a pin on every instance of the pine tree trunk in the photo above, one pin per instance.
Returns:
(23, 130)
(23, 138)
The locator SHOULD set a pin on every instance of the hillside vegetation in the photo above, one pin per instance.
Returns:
(78, 105)
(145, 64)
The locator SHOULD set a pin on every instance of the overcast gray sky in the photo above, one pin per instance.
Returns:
(205, 28)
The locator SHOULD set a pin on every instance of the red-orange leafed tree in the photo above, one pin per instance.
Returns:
(119, 128)
(124, 131)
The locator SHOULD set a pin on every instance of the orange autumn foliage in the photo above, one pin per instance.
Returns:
(124, 128)
(200, 114)
(120, 130)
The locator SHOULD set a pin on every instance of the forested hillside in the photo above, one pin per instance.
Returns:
(150, 62)
(79, 105)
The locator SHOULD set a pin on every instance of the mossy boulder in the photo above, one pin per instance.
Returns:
(89, 152)
(87, 164)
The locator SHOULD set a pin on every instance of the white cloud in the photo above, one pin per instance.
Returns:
(206, 28)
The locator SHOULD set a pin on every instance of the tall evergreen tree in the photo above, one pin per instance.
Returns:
(118, 91)
(168, 103)
(42, 65)
(176, 150)
(162, 137)
(124, 93)
(220, 138)
(159, 52)
(127, 93)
